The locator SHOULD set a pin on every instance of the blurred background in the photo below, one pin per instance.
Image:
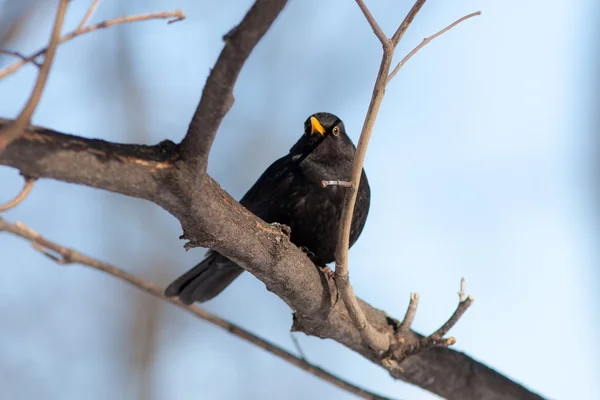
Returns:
(482, 165)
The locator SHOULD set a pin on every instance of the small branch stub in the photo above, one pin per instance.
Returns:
(336, 183)
(411, 311)
(401, 351)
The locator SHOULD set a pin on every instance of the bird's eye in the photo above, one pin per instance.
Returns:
(336, 131)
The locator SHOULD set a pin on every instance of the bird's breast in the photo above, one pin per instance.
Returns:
(313, 214)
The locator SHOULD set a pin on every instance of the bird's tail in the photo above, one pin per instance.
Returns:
(205, 280)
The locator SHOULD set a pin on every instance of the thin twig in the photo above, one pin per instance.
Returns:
(374, 25)
(23, 58)
(409, 317)
(68, 256)
(297, 346)
(400, 350)
(375, 340)
(24, 119)
(427, 40)
(436, 339)
(463, 304)
(19, 197)
(336, 183)
(406, 23)
(88, 15)
(463, 290)
(458, 313)
(176, 15)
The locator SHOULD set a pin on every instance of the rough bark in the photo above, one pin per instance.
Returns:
(211, 218)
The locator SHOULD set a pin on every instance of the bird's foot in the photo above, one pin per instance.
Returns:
(306, 251)
(328, 272)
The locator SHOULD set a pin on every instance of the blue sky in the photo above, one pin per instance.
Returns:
(481, 166)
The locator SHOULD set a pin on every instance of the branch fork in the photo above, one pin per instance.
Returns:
(401, 349)
(175, 179)
(379, 342)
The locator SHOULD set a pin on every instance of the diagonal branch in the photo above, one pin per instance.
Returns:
(88, 14)
(21, 56)
(217, 95)
(211, 218)
(406, 22)
(173, 16)
(427, 40)
(70, 256)
(374, 25)
(10, 133)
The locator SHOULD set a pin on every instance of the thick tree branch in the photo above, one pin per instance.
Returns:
(174, 178)
(63, 255)
(217, 95)
(211, 218)
(132, 170)
(9, 133)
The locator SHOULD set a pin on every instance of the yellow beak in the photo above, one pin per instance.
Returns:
(315, 126)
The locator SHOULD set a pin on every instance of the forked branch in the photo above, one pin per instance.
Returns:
(379, 342)
(8, 134)
(211, 218)
(172, 16)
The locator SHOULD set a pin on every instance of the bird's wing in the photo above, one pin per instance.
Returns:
(270, 188)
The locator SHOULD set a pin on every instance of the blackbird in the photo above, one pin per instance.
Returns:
(290, 192)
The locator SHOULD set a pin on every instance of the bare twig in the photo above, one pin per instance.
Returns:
(176, 15)
(436, 339)
(463, 304)
(24, 118)
(462, 293)
(210, 216)
(19, 197)
(411, 311)
(88, 15)
(377, 341)
(385, 42)
(427, 40)
(406, 23)
(336, 183)
(68, 256)
(297, 346)
(23, 58)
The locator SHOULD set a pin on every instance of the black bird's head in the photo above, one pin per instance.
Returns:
(324, 140)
